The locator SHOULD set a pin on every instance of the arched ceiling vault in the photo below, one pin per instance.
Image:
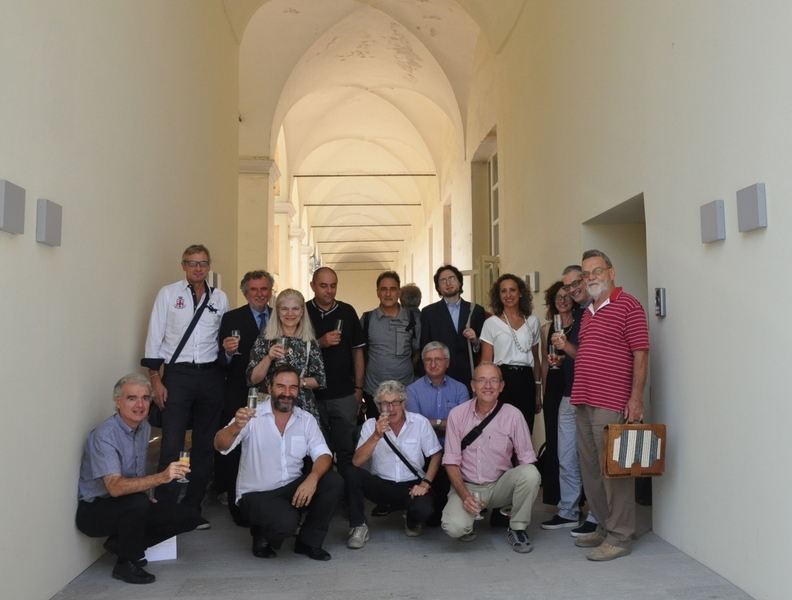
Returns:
(364, 98)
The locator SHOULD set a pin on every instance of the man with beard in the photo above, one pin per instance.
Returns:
(570, 482)
(451, 322)
(248, 320)
(610, 374)
(272, 491)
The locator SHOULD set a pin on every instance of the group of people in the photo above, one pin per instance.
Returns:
(446, 393)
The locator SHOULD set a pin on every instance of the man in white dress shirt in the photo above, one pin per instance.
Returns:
(191, 388)
(392, 481)
(272, 491)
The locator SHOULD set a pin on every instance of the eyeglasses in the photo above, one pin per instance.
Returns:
(451, 279)
(573, 284)
(562, 297)
(197, 263)
(596, 272)
(389, 404)
(492, 381)
(434, 361)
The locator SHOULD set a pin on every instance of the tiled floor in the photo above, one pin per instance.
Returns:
(217, 563)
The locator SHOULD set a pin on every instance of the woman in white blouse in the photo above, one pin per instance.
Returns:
(510, 339)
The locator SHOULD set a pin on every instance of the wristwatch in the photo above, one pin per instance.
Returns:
(302, 382)
(438, 422)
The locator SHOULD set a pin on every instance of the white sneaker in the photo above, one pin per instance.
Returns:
(418, 530)
(358, 536)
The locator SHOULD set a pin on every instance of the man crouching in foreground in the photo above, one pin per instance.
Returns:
(113, 485)
(272, 491)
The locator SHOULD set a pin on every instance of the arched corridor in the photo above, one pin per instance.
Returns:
(400, 134)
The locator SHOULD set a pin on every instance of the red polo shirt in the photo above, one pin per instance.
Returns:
(604, 362)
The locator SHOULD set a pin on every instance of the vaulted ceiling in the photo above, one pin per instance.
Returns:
(362, 102)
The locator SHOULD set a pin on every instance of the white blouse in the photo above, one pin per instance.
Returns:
(496, 333)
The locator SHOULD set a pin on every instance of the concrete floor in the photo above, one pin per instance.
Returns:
(217, 563)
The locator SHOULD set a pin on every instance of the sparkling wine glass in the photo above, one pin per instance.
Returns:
(237, 336)
(184, 457)
(477, 496)
(252, 398)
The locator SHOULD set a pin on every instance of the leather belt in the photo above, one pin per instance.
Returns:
(186, 365)
(515, 367)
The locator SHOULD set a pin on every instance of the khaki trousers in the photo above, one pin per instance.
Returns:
(517, 487)
(611, 500)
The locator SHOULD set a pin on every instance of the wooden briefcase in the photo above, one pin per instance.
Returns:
(634, 450)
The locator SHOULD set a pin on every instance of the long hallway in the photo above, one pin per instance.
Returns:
(217, 563)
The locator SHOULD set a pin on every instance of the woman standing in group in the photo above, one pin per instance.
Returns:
(289, 338)
(557, 303)
(510, 338)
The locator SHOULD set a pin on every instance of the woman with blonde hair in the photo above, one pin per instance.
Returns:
(289, 338)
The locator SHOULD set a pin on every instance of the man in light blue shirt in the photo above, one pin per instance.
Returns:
(433, 396)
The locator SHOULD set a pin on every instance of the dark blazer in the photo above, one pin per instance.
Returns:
(236, 388)
(437, 326)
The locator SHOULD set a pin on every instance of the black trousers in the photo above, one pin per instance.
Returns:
(137, 522)
(272, 515)
(339, 426)
(520, 391)
(196, 393)
(361, 484)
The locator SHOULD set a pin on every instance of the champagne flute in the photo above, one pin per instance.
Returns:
(184, 457)
(252, 399)
(477, 496)
(558, 327)
(237, 336)
(339, 325)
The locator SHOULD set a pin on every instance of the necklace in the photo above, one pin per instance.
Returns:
(514, 335)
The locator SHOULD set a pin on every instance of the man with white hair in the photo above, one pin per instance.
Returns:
(610, 373)
(397, 444)
(113, 486)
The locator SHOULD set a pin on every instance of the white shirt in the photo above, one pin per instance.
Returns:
(415, 441)
(173, 310)
(496, 333)
(270, 460)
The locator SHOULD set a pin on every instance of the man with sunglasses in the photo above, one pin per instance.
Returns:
(191, 387)
(397, 444)
(570, 482)
(610, 373)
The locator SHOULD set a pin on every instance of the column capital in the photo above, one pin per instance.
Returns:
(259, 165)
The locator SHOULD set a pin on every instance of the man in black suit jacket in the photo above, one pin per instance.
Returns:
(446, 321)
(249, 319)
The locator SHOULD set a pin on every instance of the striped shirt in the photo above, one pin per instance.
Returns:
(604, 362)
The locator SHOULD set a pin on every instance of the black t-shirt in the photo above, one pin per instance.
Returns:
(338, 361)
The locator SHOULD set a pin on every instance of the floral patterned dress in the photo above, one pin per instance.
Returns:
(305, 357)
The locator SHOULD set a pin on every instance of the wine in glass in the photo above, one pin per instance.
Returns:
(558, 328)
(477, 496)
(184, 457)
(237, 336)
(252, 398)
(339, 325)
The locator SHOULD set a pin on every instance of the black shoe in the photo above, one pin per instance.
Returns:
(261, 549)
(381, 510)
(310, 551)
(131, 573)
(111, 545)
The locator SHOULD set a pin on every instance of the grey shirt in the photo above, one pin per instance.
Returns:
(390, 345)
(113, 447)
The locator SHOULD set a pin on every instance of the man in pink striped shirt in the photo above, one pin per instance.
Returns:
(610, 374)
(484, 466)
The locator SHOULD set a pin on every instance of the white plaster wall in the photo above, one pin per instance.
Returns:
(686, 102)
(125, 113)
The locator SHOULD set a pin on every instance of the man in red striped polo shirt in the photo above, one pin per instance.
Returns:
(610, 373)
